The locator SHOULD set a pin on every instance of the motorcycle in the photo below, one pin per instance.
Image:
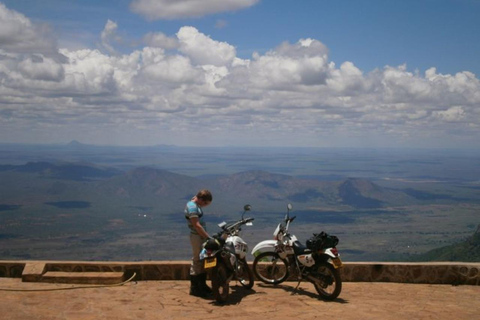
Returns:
(224, 258)
(318, 262)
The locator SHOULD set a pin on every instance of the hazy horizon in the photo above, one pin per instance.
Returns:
(254, 147)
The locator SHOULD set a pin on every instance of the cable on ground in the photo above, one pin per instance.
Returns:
(76, 287)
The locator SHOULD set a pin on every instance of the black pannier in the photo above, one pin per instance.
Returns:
(213, 243)
(321, 241)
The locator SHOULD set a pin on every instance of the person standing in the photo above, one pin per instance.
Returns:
(198, 235)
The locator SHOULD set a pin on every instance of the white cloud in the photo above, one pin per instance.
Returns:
(109, 34)
(348, 79)
(175, 9)
(174, 69)
(18, 34)
(203, 50)
(286, 67)
(89, 72)
(455, 113)
(28, 53)
(159, 39)
(178, 86)
(40, 68)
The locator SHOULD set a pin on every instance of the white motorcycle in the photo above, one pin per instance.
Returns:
(225, 258)
(318, 262)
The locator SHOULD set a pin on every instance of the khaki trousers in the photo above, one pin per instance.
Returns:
(196, 266)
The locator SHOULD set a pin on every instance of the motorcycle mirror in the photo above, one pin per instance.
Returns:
(289, 207)
(246, 208)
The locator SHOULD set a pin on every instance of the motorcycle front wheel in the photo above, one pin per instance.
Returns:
(329, 282)
(220, 283)
(244, 275)
(270, 268)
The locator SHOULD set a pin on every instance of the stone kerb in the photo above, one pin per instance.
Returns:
(428, 273)
(158, 270)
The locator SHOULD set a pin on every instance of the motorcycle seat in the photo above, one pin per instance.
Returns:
(299, 248)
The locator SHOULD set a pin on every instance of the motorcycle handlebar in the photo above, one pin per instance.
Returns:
(236, 225)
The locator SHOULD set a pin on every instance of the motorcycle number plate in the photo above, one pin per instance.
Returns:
(210, 262)
(337, 263)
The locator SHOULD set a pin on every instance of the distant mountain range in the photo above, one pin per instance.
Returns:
(59, 209)
(155, 185)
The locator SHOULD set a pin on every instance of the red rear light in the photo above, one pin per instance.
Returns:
(334, 251)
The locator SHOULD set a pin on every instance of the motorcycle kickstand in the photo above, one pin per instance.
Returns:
(298, 284)
(300, 278)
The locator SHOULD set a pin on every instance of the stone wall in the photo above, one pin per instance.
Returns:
(431, 273)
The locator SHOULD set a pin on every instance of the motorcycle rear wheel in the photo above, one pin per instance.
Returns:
(270, 268)
(220, 283)
(244, 274)
(330, 281)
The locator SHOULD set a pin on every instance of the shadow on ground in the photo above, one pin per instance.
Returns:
(237, 293)
(300, 291)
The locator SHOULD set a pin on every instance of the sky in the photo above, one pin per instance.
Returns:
(309, 73)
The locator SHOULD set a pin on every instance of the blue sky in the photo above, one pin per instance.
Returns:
(373, 33)
(241, 72)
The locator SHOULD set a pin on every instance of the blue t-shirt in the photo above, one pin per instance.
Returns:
(192, 210)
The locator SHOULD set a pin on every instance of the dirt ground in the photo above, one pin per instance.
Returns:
(170, 300)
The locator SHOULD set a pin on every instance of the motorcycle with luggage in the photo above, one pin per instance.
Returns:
(318, 262)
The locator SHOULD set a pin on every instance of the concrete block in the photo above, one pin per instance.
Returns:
(83, 277)
(33, 271)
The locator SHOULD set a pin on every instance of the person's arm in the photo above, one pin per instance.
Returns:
(196, 224)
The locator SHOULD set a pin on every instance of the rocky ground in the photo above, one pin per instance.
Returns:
(170, 300)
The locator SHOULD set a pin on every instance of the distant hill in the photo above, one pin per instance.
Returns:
(67, 171)
(355, 192)
(145, 182)
(362, 194)
(265, 185)
(466, 251)
(75, 143)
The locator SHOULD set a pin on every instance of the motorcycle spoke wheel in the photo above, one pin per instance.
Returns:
(270, 268)
(329, 282)
(244, 274)
(220, 285)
